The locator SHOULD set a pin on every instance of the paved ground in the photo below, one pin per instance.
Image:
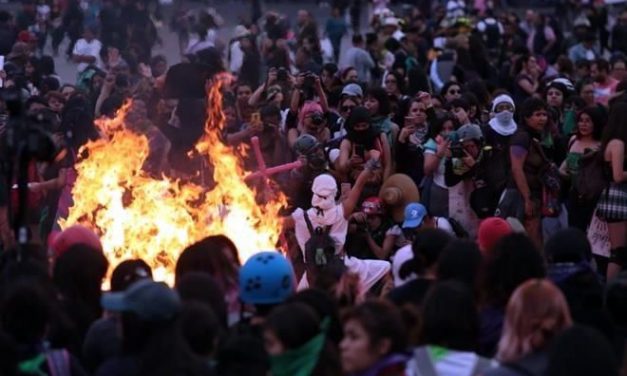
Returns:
(231, 10)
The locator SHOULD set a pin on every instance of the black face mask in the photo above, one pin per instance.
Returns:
(366, 138)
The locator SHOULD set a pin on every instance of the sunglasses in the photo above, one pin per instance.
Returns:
(346, 108)
(390, 81)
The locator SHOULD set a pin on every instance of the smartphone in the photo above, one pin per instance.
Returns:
(409, 121)
(255, 117)
(457, 151)
(360, 150)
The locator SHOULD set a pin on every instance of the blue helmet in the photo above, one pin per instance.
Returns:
(266, 278)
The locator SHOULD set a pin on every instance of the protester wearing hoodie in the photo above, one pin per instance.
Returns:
(496, 135)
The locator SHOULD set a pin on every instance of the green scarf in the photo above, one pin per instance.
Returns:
(300, 361)
(33, 366)
(569, 122)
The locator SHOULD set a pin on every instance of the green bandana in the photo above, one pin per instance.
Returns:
(33, 366)
(300, 361)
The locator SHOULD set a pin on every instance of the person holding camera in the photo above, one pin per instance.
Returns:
(437, 148)
(308, 109)
(271, 91)
(470, 197)
(265, 125)
(413, 135)
(370, 237)
(361, 140)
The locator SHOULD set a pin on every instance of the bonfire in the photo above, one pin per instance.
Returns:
(139, 216)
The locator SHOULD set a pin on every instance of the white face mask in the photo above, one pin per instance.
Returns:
(323, 202)
(504, 117)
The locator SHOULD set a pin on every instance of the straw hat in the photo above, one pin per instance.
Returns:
(398, 191)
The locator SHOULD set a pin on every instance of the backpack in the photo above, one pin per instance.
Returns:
(458, 229)
(319, 250)
(591, 179)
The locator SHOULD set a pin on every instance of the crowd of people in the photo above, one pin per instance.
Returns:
(460, 206)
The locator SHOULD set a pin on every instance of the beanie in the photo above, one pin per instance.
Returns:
(491, 230)
(77, 234)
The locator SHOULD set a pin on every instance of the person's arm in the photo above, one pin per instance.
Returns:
(256, 96)
(528, 86)
(353, 196)
(374, 247)
(292, 136)
(387, 156)
(237, 138)
(105, 92)
(322, 97)
(518, 156)
(295, 102)
(432, 161)
(343, 161)
(48, 185)
(617, 159)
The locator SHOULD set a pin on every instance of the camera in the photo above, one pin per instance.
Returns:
(457, 150)
(310, 80)
(317, 119)
(281, 74)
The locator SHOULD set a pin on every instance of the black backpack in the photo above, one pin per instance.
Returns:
(319, 251)
(591, 179)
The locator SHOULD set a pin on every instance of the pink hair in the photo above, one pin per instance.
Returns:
(308, 108)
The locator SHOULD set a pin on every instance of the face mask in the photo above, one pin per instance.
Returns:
(504, 117)
(323, 202)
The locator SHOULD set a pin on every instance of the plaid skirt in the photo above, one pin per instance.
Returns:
(612, 205)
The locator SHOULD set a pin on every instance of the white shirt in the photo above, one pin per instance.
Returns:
(237, 57)
(195, 44)
(405, 253)
(83, 47)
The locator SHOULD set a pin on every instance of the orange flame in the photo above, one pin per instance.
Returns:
(138, 216)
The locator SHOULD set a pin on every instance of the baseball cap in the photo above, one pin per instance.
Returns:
(26, 37)
(372, 206)
(414, 215)
(151, 301)
(469, 132)
(353, 90)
